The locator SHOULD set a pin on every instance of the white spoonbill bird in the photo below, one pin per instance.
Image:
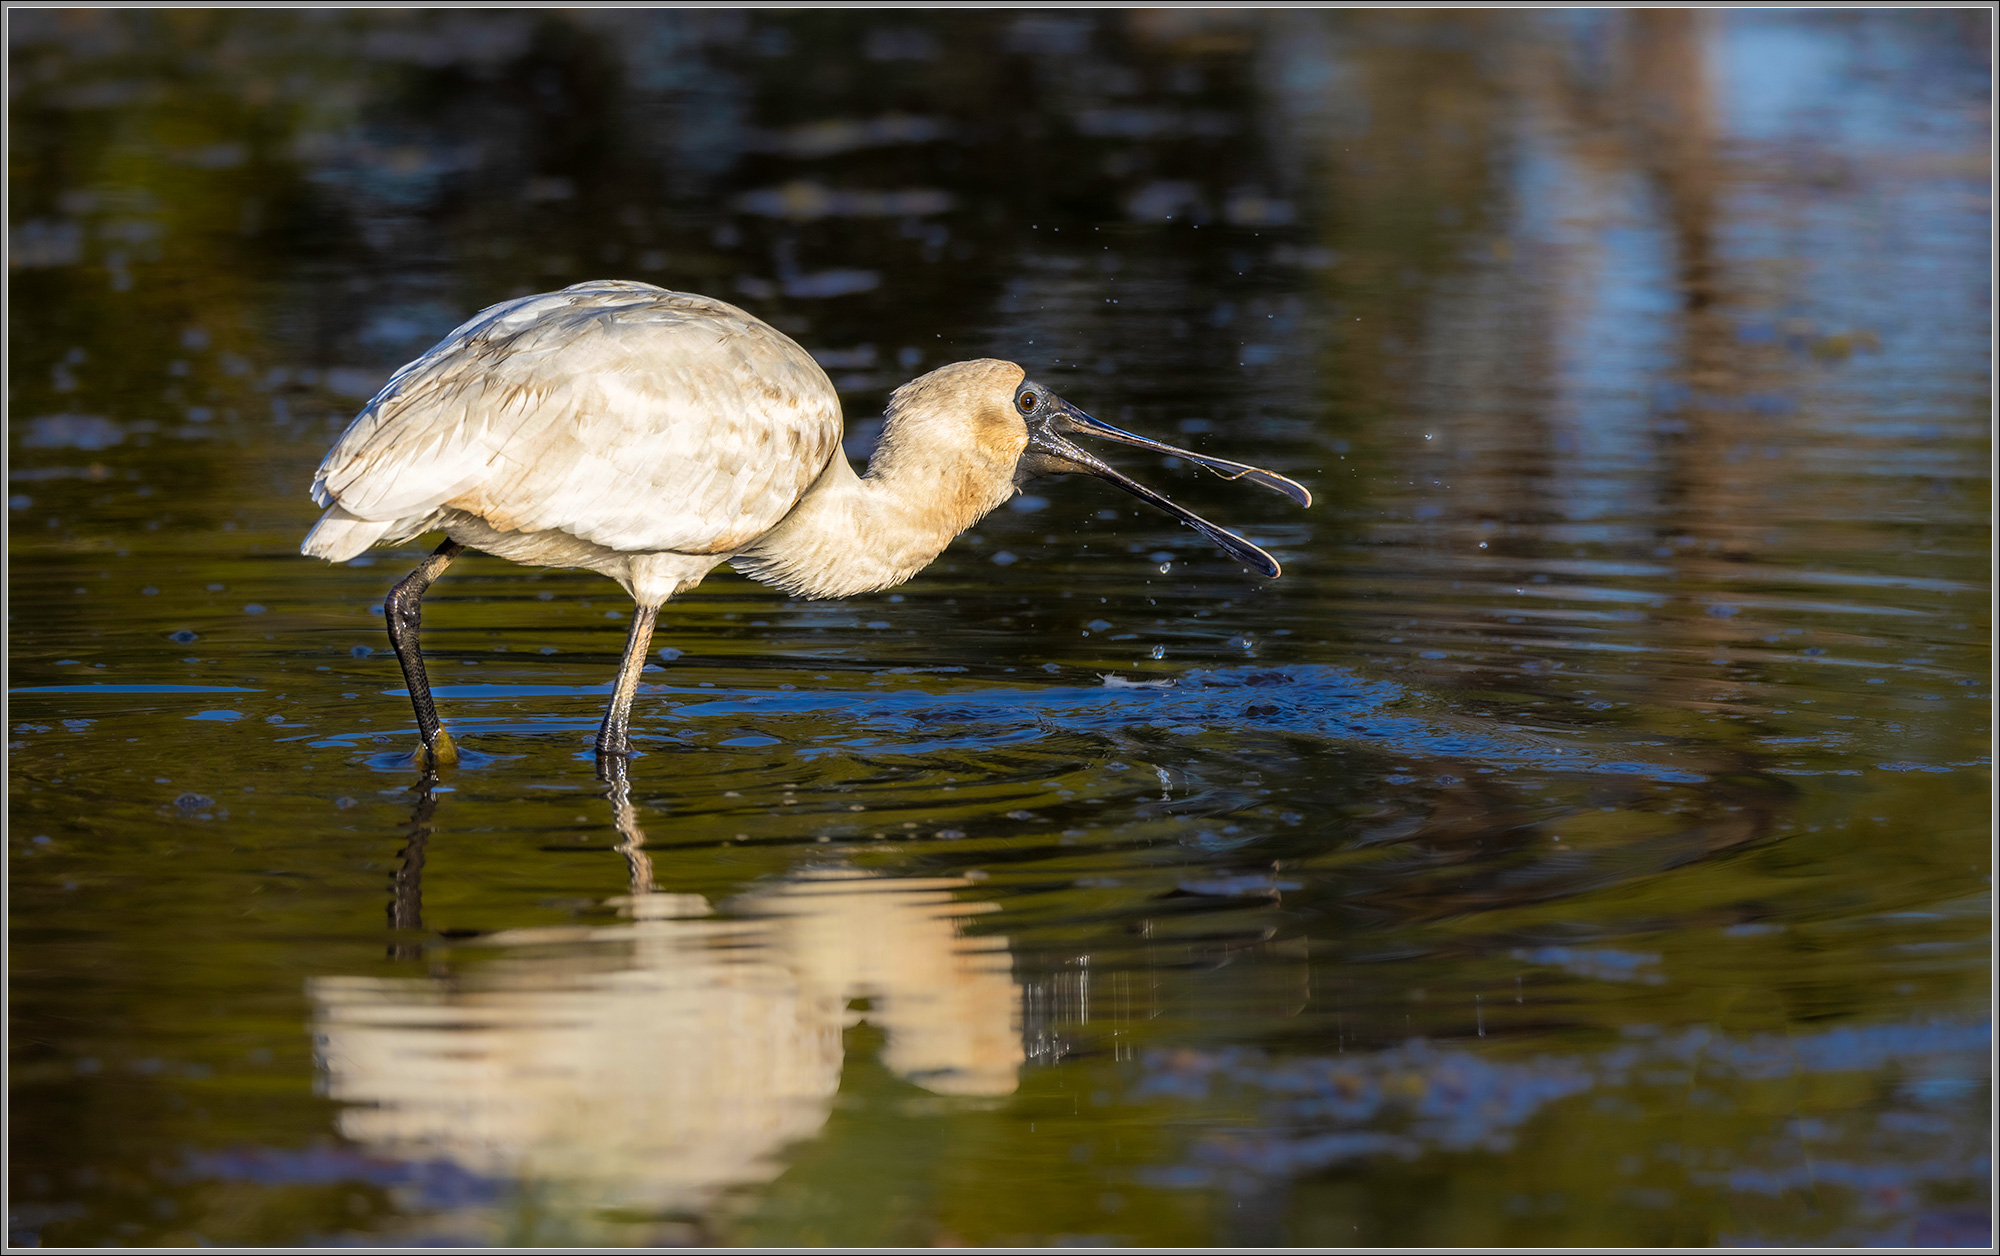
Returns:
(654, 435)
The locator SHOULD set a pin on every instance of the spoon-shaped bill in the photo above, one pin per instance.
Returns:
(1085, 425)
(1049, 452)
(1230, 543)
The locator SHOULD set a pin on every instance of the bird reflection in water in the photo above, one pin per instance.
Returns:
(649, 1065)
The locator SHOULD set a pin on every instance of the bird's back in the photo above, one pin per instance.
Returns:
(628, 416)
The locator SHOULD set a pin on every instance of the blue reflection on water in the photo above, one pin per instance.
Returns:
(1316, 1112)
(135, 689)
(430, 1183)
(1325, 702)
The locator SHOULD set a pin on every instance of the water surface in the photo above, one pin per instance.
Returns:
(1585, 842)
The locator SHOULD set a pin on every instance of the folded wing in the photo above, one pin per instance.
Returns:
(623, 414)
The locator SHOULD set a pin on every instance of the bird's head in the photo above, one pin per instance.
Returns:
(989, 415)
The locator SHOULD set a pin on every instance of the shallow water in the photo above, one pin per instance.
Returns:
(1585, 841)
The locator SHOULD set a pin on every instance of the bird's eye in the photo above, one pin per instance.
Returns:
(1028, 402)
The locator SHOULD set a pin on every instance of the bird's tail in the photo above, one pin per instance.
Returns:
(339, 536)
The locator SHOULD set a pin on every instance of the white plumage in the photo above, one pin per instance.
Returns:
(651, 435)
(583, 427)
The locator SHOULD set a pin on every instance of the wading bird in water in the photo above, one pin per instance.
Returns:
(654, 435)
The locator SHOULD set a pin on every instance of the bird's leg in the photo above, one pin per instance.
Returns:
(403, 608)
(615, 738)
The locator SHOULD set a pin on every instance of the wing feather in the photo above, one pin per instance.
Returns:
(627, 415)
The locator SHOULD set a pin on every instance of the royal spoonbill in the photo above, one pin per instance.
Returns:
(654, 435)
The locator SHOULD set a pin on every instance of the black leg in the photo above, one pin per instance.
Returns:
(404, 610)
(615, 738)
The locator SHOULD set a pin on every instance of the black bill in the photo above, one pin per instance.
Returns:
(1051, 421)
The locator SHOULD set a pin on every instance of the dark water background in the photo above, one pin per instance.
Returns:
(1585, 842)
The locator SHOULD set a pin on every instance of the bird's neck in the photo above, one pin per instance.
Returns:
(853, 534)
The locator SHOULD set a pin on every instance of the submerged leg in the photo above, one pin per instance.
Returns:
(404, 610)
(615, 737)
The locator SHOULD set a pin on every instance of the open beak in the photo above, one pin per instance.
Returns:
(1051, 452)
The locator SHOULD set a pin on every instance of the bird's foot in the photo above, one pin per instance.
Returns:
(440, 753)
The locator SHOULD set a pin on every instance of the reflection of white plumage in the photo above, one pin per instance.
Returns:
(652, 435)
(655, 1074)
